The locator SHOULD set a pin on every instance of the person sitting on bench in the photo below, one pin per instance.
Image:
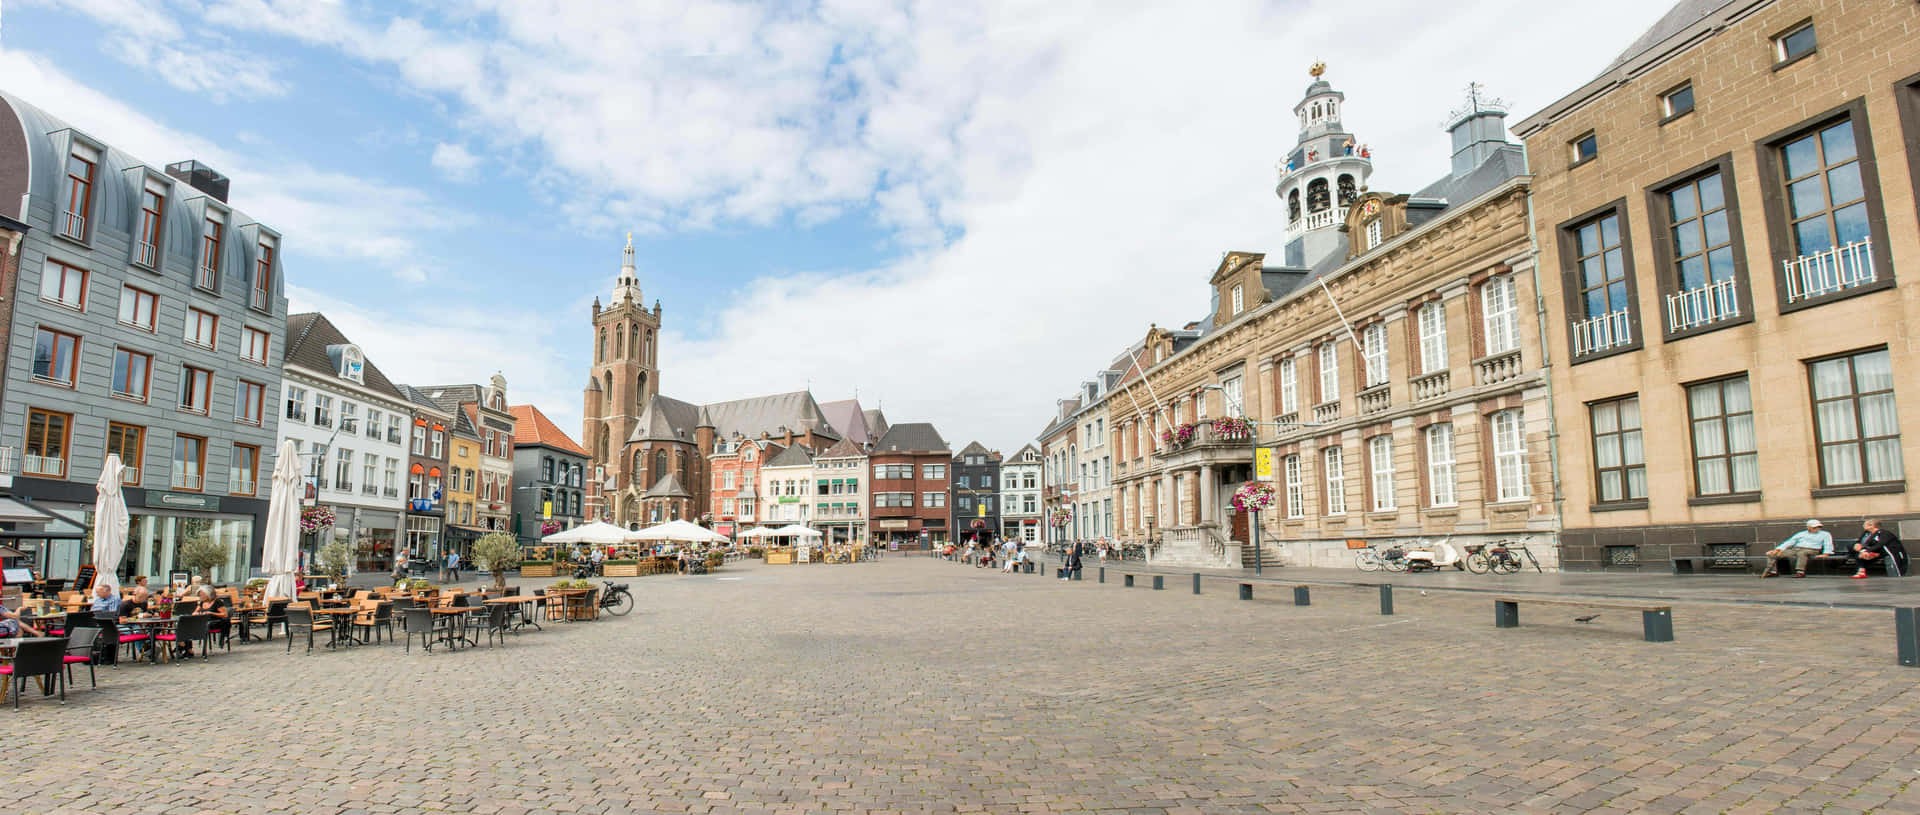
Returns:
(1877, 543)
(1814, 540)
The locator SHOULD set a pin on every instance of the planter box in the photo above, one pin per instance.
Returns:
(620, 569)
(779, 558)
(529, 570)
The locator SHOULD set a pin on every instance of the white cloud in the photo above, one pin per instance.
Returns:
(145, 36)
(454, 161)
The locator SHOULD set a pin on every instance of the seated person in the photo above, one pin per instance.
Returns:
(1804, 544)
(209, 603)
(104, 599)
(135, 603)
(1878, 545)
(11, 626)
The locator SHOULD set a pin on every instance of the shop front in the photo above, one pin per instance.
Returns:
(161, 525)
(423, 535)
(371, 533)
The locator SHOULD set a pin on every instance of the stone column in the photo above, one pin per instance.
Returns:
(1206, 493)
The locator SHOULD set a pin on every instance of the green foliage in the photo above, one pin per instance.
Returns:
(201, 554)
(497, 552)
(334, 559)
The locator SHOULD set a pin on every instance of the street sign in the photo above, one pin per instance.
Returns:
(546, 510)
(1263, 464)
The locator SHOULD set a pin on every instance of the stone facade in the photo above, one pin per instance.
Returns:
(624, 379)
(1686, 402)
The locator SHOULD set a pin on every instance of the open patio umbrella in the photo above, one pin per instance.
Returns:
(757, 532)
(680, 531)
(795, 529)
(280, 553)
(598, 533)
(109, 524)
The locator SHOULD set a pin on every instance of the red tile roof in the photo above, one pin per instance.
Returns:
(530, 426)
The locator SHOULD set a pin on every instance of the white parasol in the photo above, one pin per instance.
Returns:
(795, 529)
(598, 532)
(280, 553)
(681, 531)
(109, 524)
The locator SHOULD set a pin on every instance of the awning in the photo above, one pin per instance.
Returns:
(434, 472)
(418, 468)
(467, 531)
(50, 525)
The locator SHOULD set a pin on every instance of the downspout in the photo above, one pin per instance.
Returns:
(1546, 364)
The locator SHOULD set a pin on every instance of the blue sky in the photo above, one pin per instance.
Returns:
(958, 209)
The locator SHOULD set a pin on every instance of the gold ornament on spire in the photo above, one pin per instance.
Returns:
(1316, 69)
(629, 240)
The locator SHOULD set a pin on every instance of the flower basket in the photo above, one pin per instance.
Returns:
(1184, 433)
(1231, 427)
(1060, 517)
(549, 527)
(977, 524)
(1253, 497)
(314, 519)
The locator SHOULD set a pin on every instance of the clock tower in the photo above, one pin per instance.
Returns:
(1321, 175)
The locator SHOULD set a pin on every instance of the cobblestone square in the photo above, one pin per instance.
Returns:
(919, 685)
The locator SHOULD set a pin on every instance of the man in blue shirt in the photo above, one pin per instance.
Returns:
(1804, 544)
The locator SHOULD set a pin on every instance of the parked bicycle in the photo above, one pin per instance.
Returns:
(1373, 559)
(616, 600)
(1500, 557)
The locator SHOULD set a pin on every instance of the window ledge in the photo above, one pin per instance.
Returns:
(1786, 62)
(62, 235)
(1729, 498)
(1617, 506)
(1882, 284)
(1615, 351)
(1584, 161)
(1447, 511)
(127, 397)
(68, 306)
(1886, 488)
(1383, 514)
(1676, 117)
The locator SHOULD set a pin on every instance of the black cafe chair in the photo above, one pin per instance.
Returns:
(37, 657)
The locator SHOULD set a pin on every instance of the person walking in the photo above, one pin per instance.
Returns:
(453, 567)
(1880, 545)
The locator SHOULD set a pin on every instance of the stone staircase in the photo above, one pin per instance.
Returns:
(1198, 547)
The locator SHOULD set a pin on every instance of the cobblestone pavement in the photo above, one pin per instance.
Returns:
(916, 685)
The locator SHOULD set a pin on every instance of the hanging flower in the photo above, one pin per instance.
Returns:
(1253, 497)
(549, 527)
(314, 519)
(1166, 437)
(1184, 433)
(1231, 427)
(1061, 517)
(977, 524)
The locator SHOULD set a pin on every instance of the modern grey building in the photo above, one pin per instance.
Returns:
(148, 322)
(549, 474)
(976, 495)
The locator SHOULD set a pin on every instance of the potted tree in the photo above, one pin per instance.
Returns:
(201, 554)
(496, 552)
(334, 559)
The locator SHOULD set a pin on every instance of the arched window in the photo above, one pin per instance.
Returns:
(619, 344)
(639, 472)
(659, 467)
(1317, 195)
(1347, 191)
(1293, 204)
(648, 356)
(633, 340)
(640, 396)
(603, 347)
(606, 393)
(1316, 111)
(1329, 110)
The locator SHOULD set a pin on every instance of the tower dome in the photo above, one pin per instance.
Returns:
(1321, 175)
(627, 285)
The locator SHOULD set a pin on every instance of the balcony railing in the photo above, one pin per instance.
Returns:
(1494, 369)
(55, 466)
(257, 299)
(1596, 334)
(1836, 269)
(1327, 412)
(146, 254)
(6, 460)
(1375, 399)
(1325, 217)
(74, 225)
(130, 476)
(345, 486)
(391, 492)
(1431, 386)
(1288, 422)
(208, 278)
(188, 481)
(240, 486)
(393, 436)
(1705, 305)
(368, 489)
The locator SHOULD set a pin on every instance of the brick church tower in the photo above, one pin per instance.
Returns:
(625, 376)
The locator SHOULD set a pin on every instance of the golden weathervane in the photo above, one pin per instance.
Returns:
(1317, 69)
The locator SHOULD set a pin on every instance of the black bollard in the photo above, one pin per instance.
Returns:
(1386, 598)
(1246, 591)
(1103, 574)
(1159, 582)
(1301, 597)
(1196, 582)
(1126, 581)
(1906, 630)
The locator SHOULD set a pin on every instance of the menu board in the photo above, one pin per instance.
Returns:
(84, 580)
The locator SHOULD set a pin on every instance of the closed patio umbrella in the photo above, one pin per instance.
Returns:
(280, 553)
(109, 524)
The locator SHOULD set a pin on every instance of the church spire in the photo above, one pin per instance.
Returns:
(627, 286)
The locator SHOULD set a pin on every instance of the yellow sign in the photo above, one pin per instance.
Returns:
(546, 510)
(1263, 464)
(983, 509)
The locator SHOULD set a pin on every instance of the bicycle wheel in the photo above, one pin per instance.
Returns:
(1506, 564)
(620, 604)
(1367, 561)
(1477, 563)
(1395, 564)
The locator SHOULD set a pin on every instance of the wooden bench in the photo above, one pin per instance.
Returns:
(1655, 621)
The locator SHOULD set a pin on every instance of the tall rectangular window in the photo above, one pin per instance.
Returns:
(1296, 488)
(297, 403)
(1499, 315)
(1289, 386)
(80, 170)
(419, 441)
(322, 410)
(1601, 307)
(1433, 338)
(129, 443)
(196, 389)
(1380, 462)
(1329, 372)
(1239, 300)
(1725, 457)
(376, 421)
(253, 345)
(138, 307)
(249, 398)
(208, 277)
(1854, 418)
(55, 356)
(64, 285)
(46, 453)
(203, 328)
(1375, 350)
(132, 374)
(243, 469)
(1231, 388)
(1827, 213)
(1702, 262)
(146, 246)
(1440, 465)
(440, 445)
(342, 468)
(1509, 456)
(261, 292)
(1336, 480)
(189, 462)
(1619, 456)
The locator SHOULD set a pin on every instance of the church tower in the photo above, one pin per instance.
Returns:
(1319, 178)
(625, 377)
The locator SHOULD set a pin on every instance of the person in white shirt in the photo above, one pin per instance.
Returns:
(1804, 544)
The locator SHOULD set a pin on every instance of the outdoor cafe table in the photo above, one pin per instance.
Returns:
(522, 601)
(342, 623)
(6, 656)
(152, 627)
(455, 631)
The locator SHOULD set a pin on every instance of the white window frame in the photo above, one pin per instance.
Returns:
(1375, 350)
(1374, 233)
(1433, 338)
(1232, 388)
(1289, 386)
(201, 323)
(1380, 461)
(1296, 487)
(1440, 476)
(1330, 372)
(1499, 315)
(1332, 461)
(1239, 300)
(1509, 455)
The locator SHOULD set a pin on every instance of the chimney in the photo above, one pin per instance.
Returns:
(1478, 129)
(200, 177)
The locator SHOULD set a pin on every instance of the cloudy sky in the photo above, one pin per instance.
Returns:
(958, 209)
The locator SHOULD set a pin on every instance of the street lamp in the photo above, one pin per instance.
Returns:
(1253, 440)
(350, 425)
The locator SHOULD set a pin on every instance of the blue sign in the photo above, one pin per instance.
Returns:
(421, 505)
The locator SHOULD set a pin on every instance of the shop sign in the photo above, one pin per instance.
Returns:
(182, 500)
(897, 523)
(789, 499)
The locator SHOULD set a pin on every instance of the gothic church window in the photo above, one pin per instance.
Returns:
(659, 466)
(603, 346)
(619, 344)
(1317, 195)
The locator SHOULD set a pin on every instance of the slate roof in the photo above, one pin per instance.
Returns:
(419, 399)
(531, 427)
(463, 425)
(668, 419)
(1024, 449)
(795, 456)
(911, 437)
(449, 397)
(876, 424)
(309, 336)
(848, 419)
(975, 448)
(1683, 14)
(668, 487)
(844, 448)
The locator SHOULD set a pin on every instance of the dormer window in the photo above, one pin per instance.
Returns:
(208, 276)
(1239, 301)
(352, 365)
(1373, 233)
(82, 164)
